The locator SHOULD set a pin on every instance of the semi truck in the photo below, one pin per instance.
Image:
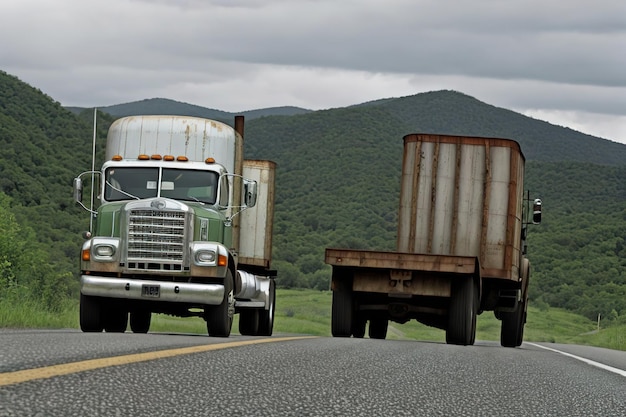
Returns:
(461, 245)
(181, 225)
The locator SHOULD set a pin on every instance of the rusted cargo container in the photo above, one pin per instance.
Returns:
(460, 247)
(463, 196)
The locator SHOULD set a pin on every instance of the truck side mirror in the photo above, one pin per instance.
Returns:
(250, 192)
(537, 211)
(78, 190)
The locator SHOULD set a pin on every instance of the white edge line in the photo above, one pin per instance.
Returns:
(588, 361)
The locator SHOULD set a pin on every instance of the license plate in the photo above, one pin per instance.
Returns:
(150, 291)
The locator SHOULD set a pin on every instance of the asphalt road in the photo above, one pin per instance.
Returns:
(68, 373)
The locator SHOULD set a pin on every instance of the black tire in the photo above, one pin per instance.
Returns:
(249, 322)
(520, 334)
(140, 321)
(219, 318)
(342, 310)
(116, 320)
(512, 330)
(266, 317)
(462, 312)
(358, 326)
(378, 328)
(90, 314)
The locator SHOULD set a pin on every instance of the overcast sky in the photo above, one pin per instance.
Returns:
(562, 61)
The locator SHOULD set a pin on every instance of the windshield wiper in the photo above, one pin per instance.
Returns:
(122, 191)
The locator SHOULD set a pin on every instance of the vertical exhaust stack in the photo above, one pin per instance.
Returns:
(239, 130)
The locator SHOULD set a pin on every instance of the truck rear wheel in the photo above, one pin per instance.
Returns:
(140, 321)
(378, 328)
(462, 312)
(358, 326)
(90, 314)
(219, 319)
(266, 317)
(342, 310)
(249, 322)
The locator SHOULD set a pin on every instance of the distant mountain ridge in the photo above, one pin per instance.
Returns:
(163, 106)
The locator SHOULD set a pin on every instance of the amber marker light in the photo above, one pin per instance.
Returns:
(85, 255)
(143, 157)
(182, 159)
(209, 160)
(117, 158)
(222, 260)
(156, 157)
(168, 158)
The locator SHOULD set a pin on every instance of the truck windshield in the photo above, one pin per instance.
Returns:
(134, 183)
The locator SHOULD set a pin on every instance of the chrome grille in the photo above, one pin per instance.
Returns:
(156, 239)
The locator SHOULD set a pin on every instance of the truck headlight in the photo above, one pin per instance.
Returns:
(208, 254)
(104, 249)
(205, 257)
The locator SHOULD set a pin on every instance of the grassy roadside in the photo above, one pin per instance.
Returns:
(308, 312)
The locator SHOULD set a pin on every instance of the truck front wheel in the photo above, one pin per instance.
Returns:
(90, 314)
(116, 320)
(512, 330)
(140, 321)
(219, 318)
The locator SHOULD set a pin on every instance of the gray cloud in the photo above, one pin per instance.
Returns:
(551, 58)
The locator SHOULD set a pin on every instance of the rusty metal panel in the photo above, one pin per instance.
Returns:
(193, 137)
(462, 196)
(367, 280)
(255, 244)
(401, 261)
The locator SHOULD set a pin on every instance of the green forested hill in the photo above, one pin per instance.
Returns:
(579, 251)
(449, 112)
(42, 146)
(338, 185)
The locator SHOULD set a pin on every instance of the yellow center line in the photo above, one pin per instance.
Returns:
(16, 377)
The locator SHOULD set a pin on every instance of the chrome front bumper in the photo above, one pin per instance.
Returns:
(176, 292)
